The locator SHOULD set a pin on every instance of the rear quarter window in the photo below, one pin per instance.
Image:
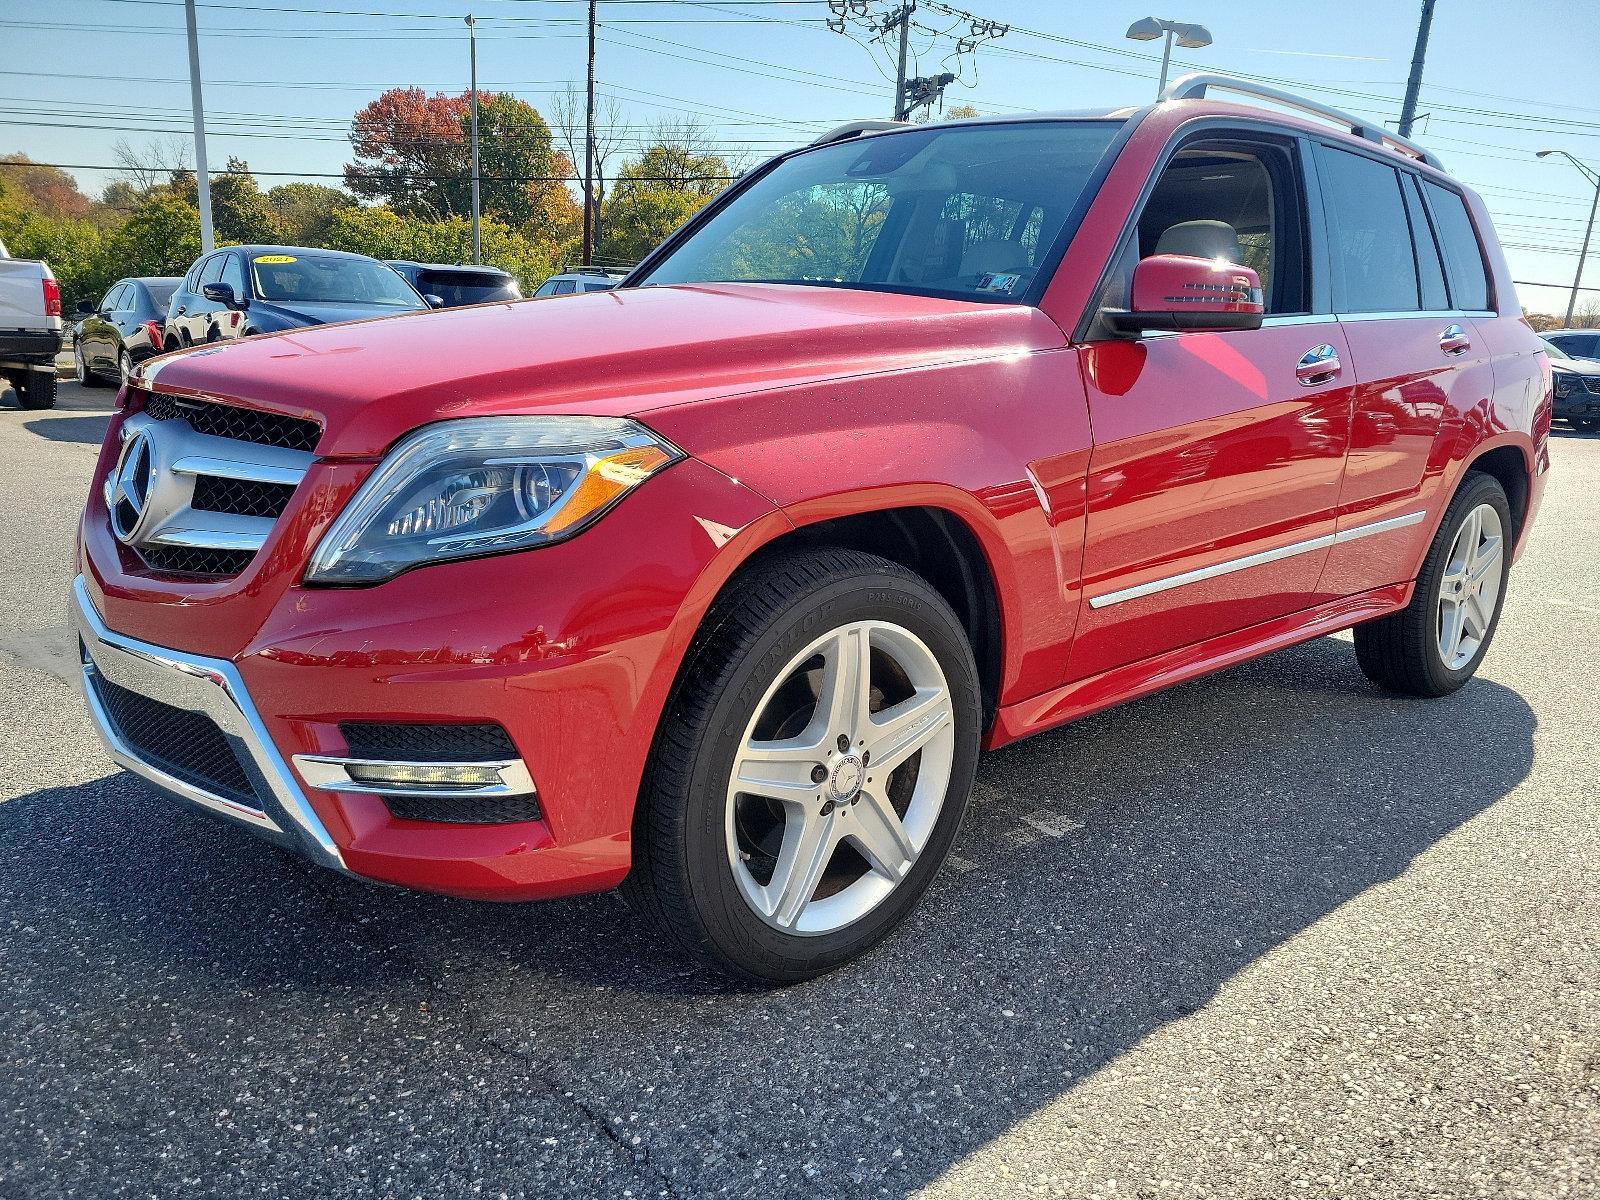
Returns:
(1463, 255)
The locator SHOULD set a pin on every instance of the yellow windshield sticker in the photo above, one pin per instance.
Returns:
(275, 258)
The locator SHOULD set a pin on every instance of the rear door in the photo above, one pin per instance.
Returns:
(1214, 480)
(1417, 358)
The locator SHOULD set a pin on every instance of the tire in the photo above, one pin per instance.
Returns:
(124, 366)
(701, 845)
(81, 371)
(35, 390)
(1405, 652)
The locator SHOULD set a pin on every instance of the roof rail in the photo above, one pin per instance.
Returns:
(1195, 86)
(852, 129)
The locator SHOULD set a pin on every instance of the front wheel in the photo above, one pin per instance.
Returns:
(81, 370)
(812, 769)
(1434, 645)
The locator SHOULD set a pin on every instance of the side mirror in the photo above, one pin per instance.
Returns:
(1175, 292)
(434, 301)
(220, 293)
(85, 308)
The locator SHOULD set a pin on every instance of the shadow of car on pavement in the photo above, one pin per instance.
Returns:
(1112, 875)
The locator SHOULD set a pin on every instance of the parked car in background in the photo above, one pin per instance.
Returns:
(242, 290)
(125, 328)
(31, 331)
(458, 285)
(578, 280)
(715, 587)
(1579, 343)
(1576, 384)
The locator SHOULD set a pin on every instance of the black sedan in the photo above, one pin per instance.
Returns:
(126, 327)
(242, 290)
(458, 285)
(1576, 383)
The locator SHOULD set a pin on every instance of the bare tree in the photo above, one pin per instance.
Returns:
(157, 162)
(610, 135)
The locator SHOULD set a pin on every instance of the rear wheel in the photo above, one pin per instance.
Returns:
(1434, 645)
(35, 389)
(80, 368)
(811, 773)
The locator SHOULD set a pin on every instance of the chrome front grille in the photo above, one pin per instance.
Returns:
(188, 499)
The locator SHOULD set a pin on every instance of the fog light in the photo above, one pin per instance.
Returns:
(425, 775)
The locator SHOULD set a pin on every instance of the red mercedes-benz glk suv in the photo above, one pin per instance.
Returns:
(916, 441)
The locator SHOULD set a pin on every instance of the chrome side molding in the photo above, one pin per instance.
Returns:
(1106, 599)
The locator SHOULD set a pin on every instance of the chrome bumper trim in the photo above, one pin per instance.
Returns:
(332, 774)
(212, 687)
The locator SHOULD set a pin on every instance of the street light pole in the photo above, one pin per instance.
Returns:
(1408, 107)
(202, 176)
(472, 43)
(1190, 37)
(903, 19)
(1588, 230)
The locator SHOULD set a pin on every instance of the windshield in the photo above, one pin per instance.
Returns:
(1553, 350)
(304, 279)
(968, 211)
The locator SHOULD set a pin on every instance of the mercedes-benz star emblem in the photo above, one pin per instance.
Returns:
(128, 486)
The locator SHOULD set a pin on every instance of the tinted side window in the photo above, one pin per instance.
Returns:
(1369, 238)
(1429, 266)
(109, 304)
(233, 274)
(1469, 281)
(191, 281)
(213, 271)
(565, 287)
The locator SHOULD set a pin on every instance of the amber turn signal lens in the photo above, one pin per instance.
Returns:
(605, 479)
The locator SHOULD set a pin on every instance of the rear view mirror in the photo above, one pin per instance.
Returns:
(1175, 292)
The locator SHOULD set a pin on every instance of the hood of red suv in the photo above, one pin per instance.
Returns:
(606, 353)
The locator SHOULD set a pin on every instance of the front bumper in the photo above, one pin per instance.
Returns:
(212, 688)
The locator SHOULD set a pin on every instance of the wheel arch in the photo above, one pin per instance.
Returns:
(1510, 464)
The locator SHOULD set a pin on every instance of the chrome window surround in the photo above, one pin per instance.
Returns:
(212, 687)
(1106, 599)
(331, 773)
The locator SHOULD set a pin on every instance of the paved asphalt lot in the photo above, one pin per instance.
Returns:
(1269, 934)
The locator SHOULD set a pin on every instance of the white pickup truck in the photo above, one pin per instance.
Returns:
(30, 329)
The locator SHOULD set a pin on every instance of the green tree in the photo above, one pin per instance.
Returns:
(160, 237)
(637, 219)
(305, 211)
(239, 212)
(383, 233)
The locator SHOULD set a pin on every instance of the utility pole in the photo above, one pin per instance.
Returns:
(1408, 110)
(903, 19)
(472, 43)
(588, 152)
(201, 175)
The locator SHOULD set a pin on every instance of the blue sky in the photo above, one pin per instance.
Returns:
(284, 76)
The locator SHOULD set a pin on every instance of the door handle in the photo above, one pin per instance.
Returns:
(1318, 365)
(1454, 340)
(182, 308)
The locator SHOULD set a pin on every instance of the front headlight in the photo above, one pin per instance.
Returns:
(482, 485)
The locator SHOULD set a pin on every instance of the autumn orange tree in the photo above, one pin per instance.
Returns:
(412, 153)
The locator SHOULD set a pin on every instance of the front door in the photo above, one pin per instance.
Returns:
(1214, 482)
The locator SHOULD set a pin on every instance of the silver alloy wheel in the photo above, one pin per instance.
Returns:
(1470, 588)
(824, 820)
(79, 367)
(124, 367)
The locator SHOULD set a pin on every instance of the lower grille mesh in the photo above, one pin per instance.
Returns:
(184, 744)
(427, 743)
(195, 560)
(466, 810)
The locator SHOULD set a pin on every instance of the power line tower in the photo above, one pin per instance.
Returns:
(882, 25)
